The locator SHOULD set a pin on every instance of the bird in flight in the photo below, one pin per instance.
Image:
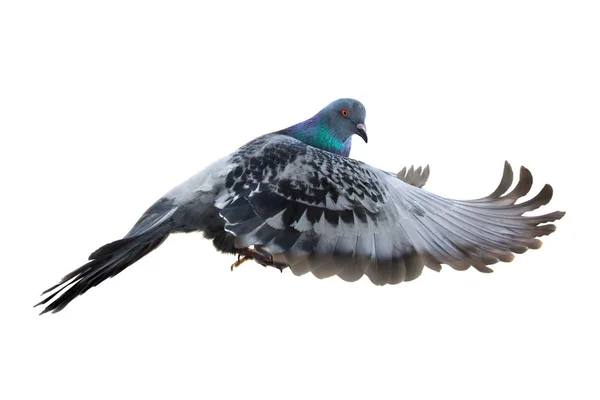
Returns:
(294, 199)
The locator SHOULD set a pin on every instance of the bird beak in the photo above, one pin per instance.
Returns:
(362, 132)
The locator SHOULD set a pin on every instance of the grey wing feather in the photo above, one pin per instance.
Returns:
(415, 177)
(330, 215)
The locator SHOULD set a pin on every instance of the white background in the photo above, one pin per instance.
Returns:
(105, 107)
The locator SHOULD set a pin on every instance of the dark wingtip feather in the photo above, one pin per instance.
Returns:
(544, 230)
(535, 244)
(483, 268)
(505, 182)
(523, 186)
(432, 263)
(541, 199)
(506, 257)
(518, 249)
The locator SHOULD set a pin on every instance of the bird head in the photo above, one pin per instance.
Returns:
(332, 128)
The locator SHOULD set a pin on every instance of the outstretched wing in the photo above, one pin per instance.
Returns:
(331, 215)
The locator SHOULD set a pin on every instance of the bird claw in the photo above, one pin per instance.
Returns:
(240, 261)
(260, 255)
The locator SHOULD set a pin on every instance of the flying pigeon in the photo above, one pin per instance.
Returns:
(294, 199)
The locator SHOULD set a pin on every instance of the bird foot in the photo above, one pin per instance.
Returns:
(258, 254)
(240, 261)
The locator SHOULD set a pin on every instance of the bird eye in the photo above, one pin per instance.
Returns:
(345, 113)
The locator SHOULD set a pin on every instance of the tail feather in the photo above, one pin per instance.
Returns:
(111, 248)
(104, 263)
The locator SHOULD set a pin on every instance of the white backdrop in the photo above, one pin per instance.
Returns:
(105, 107)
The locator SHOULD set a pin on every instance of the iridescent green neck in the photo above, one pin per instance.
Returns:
(317, 132)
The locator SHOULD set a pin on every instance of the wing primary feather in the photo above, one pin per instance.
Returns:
(505, 182)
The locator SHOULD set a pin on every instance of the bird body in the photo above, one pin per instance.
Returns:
(295, 199)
